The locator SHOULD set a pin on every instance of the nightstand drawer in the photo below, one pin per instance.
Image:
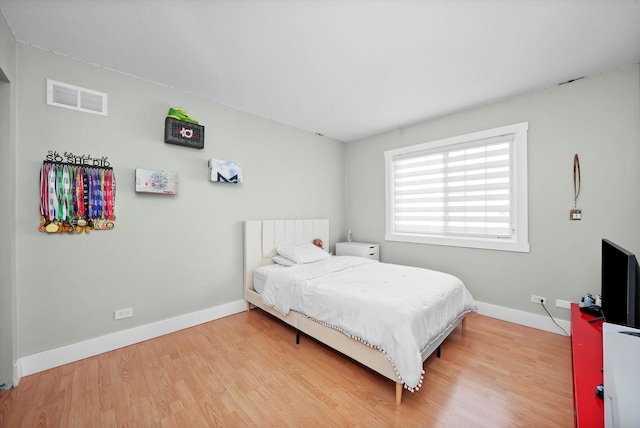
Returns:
(359, 249)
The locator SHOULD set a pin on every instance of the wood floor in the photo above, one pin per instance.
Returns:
(246, 370)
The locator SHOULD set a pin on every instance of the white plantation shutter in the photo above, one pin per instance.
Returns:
(463, 190)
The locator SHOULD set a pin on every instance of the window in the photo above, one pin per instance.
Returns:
(467, 191)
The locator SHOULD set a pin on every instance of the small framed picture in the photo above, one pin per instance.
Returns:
(223, 171)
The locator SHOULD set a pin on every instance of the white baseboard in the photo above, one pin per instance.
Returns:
(45, 360)
(541, 322)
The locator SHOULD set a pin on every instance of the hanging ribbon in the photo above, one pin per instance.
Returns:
(576, 180)
(52, 194)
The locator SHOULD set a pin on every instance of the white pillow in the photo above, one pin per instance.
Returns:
(283, 261)
(304, 253)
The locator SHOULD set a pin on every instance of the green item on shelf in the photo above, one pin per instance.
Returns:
(180, 114)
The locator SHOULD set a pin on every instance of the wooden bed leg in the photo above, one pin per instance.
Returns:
(248, 307)
(398, 393)
(464, 324)
(297, 336)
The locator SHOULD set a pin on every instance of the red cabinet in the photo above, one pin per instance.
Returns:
(586, 349)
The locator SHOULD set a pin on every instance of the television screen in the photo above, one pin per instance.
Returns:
(619, 285)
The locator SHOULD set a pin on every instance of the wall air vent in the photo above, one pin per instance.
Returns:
(76, 98)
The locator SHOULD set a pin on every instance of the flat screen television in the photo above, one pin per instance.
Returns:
(620, 285)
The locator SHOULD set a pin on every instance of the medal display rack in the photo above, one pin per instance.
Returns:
(76, 198)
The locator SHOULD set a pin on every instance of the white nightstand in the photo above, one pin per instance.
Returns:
(360, 249)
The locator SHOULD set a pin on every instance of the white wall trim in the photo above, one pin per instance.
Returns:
(541, 322)
(45, 360)
(17, 372)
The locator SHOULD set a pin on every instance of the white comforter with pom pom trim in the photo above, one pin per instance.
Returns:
(398, 309)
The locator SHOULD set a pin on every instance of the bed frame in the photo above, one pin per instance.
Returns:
(261, 239)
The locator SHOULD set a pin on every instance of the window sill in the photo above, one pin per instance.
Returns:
(466, 242)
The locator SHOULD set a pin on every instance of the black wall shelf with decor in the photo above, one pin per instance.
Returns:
(183, 133)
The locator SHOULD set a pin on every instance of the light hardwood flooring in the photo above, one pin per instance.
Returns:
(246, 370)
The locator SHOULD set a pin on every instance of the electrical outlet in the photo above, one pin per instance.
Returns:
(563, 304)
(538, 299)
(123, 313)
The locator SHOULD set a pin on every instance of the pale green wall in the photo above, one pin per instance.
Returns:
(596, 117)
(8, 344)
(168, 255)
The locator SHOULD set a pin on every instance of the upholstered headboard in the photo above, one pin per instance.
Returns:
(263, 237)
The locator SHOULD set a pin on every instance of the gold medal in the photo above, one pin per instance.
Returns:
(79, 229)
(110, 225)
(42, 220)
(87, 229)
(51, 228)
(82, 222)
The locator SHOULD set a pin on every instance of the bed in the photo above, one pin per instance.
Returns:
(263, 238)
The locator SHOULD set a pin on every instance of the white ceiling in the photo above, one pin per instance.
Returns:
(345, 69)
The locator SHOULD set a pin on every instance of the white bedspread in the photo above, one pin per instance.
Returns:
(399, 309)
